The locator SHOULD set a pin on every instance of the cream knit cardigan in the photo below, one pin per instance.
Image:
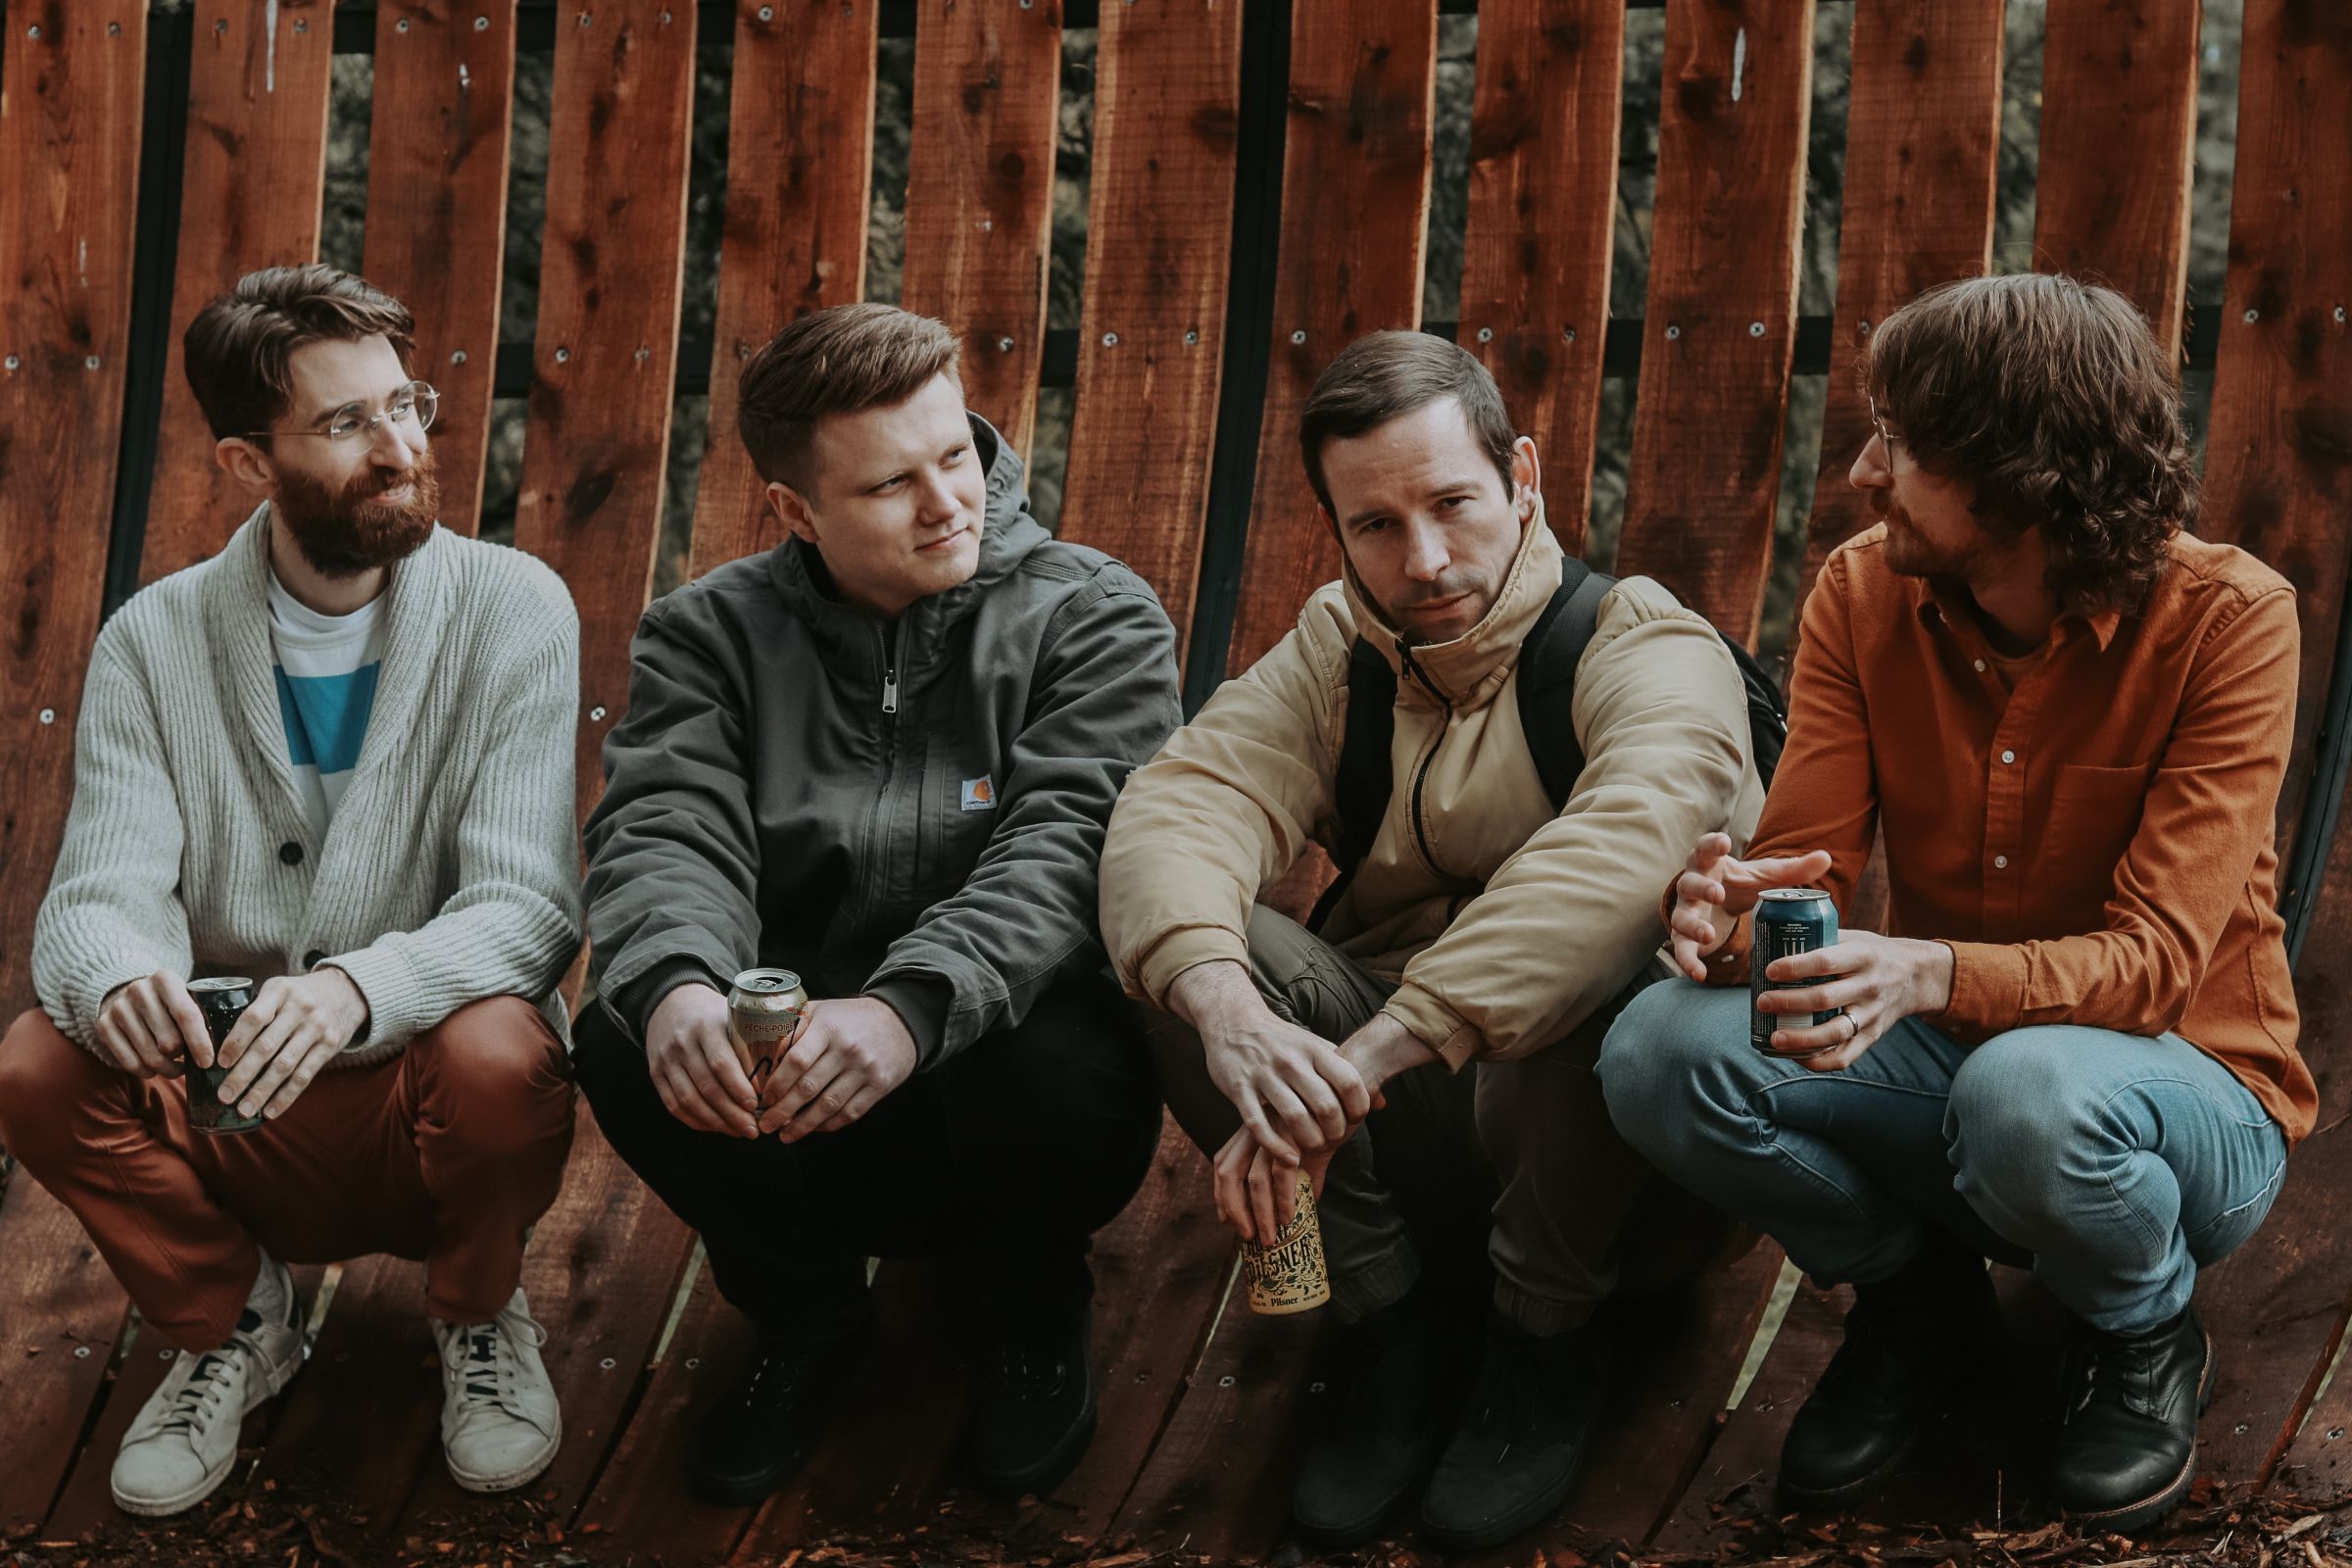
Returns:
(450, 871)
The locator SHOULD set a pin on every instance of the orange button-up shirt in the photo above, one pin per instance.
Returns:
(2095, 845)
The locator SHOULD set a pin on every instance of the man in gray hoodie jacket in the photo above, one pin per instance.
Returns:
(881, 755)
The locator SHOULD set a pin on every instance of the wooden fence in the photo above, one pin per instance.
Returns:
(1259, 187)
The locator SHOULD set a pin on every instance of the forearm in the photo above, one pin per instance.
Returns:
(1384, 1048)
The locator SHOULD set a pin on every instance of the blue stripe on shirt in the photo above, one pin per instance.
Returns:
(326, 716)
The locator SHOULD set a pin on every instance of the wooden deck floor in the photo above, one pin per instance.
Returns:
(1201, 1401)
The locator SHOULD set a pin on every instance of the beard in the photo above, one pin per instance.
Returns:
(1910, 552)
(344, 533)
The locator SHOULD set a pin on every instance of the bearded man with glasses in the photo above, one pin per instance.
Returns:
(334, 759)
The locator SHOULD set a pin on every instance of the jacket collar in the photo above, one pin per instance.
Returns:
(1468, 671)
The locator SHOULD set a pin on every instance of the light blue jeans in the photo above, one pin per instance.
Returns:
(2114, 1165)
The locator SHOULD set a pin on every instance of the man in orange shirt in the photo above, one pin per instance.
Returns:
(2075, 1048)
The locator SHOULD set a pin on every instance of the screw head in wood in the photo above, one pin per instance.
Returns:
(12, 362)
(562, 355)
(1110, 340)
(302, 23)
(1755, 329)
(2253, 314)
(48, 715)
(34, 32)
(1194, 334)
(1567, 334)
(457, 357)
(596, 715)
(1672, 333)
(481, 23)
(1299, 336)
(1486, 334)
(1003, 345)
(90, 363)
(608, 1364)
(81, 1353)
(767, 13)
(402, 25)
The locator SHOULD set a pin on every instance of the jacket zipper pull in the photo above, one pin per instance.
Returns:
(890, 689)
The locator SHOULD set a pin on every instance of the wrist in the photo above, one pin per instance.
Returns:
(1384, 1048)
(1931, 976)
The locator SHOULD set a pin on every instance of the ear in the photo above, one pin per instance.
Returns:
(246, 464)
(793, 511)
(1527, 477)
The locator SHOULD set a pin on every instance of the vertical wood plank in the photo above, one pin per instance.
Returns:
(980, 192)
(1160, 237)
(603, 366)
(70, 125)
(2119, 127)
(1923, 133)
(1354, 221)
(1721, 318)
(2279, 452)
(442, 124)
(252, 188)
(1542, 221)
(60, 1313)
(800, 165)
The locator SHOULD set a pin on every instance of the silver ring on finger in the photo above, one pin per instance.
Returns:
(1852, 1029)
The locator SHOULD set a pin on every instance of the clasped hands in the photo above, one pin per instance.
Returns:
(151, 1027)
(1878, 980)
(847, 1054)
(1299, 1096)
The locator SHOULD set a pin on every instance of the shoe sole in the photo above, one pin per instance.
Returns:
(271, 1386)
(2135, 1516)
(509, 1480)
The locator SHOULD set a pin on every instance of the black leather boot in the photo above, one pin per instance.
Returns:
(1523, 1437)
(1908, 1340)
(2126, 1446)
(1377, 1404)
(1034, 1414)
(756, 1438)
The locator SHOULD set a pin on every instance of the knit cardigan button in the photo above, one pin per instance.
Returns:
(290, 853)
(312, 958)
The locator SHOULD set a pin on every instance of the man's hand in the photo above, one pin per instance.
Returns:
(1879, 981)
(694, 1068)
(850, 1054)
(1715, 889)
(297, 1024)
(147, 1025)
(1274, 1073)
(1256, 1193)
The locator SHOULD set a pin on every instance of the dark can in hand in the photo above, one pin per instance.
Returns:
(764, 1008)
(1789, 922)
(222, 1001)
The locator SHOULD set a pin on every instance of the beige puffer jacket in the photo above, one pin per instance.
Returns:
(1504, 922)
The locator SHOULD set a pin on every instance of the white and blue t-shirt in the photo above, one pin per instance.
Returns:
(326, 669)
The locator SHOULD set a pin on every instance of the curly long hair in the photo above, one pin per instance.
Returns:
(2053, 401)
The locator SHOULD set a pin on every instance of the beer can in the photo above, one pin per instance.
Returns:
(1789, 922)
(1288, 1275)
(764, 1008)
(223, 999)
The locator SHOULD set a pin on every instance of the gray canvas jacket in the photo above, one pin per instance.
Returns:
(912, 812)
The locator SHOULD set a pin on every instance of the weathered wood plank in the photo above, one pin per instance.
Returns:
(800, 165)
(1542, 214)
(980, 192)
(1355, 219)
(250, 191)
(70, 125)
(2279, 452)
(609, 279)
(2119, 126)
(60, 1313)
(437, 211)
(1923, 134)
(1721, 318)
(1159, 230)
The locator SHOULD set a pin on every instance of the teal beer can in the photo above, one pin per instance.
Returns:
(1789, 922)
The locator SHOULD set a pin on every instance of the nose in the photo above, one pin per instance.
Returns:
(938, 500)
(1426, 557)
(1871, 470)
(396, 444)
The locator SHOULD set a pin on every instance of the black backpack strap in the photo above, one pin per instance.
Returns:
(1362, 787)
(1548, 662)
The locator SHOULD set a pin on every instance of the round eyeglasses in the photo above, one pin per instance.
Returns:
(414, 405)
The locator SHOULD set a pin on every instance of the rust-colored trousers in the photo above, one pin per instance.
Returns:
(447, 1152)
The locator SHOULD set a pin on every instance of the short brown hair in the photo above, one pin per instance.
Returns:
(237, 349)
(2053, 399)
(1385, 375)
(843, 359)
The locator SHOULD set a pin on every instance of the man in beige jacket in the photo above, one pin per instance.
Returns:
(1431, 1038)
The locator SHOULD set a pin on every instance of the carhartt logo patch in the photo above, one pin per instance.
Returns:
(980, 793)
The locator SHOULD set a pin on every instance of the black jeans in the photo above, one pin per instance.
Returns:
(1009, 1154)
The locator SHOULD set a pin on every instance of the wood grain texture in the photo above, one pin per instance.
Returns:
(602, 369)
(1721, 318)
(251, 190)
(60, 1313)
(799, 169)
(1923, 134)
(442, 122)
(1542, 219)
(980, 192)
(1355, 217)
(1152, 339)
(2278, 450)
(70, 125)
(2119, 126)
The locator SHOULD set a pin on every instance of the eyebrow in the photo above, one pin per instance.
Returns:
(337, 407)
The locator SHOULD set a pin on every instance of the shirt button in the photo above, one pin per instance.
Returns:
(2008, 757)
(2000, 862)
(290, 853)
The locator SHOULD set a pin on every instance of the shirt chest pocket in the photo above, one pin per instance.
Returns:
(2093, 813)
(959, 811)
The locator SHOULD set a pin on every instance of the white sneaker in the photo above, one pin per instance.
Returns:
(184, 1439)
(500, 1425)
